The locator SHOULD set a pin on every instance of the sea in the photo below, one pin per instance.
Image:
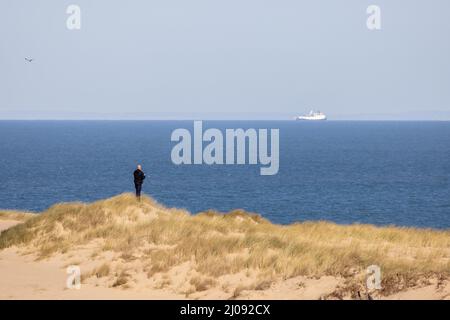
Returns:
(370, 172)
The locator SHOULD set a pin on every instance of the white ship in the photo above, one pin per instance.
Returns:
(313, 115)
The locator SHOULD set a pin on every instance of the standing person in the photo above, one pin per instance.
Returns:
(139, 177)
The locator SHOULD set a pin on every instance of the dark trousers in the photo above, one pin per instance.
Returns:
(138, 187)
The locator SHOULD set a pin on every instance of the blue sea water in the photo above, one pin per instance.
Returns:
(348, 172)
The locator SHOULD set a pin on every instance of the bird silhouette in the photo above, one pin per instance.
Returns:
(29, 59)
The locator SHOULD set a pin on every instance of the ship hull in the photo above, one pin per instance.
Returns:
(317, 118)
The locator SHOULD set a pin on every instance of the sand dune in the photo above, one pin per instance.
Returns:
(142, 250)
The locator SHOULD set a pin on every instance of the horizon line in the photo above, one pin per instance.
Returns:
(228, 119)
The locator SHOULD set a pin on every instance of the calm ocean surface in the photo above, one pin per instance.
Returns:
(367, 172)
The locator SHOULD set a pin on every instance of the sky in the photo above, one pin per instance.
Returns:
(217, 59)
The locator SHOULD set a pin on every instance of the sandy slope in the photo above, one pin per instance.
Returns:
(5, 224)
(24, 277)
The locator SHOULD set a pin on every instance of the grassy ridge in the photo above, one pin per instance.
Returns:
(221, 244)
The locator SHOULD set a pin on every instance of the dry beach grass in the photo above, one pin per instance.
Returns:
(235, 253)
(15, 215)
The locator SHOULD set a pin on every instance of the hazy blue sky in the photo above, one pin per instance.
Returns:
(200, 58)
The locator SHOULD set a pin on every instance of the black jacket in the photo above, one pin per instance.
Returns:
(139, 176)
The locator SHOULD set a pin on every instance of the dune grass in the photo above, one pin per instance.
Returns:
(15, 215)
(221, 244)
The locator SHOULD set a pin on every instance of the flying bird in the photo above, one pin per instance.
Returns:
(29, 60)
